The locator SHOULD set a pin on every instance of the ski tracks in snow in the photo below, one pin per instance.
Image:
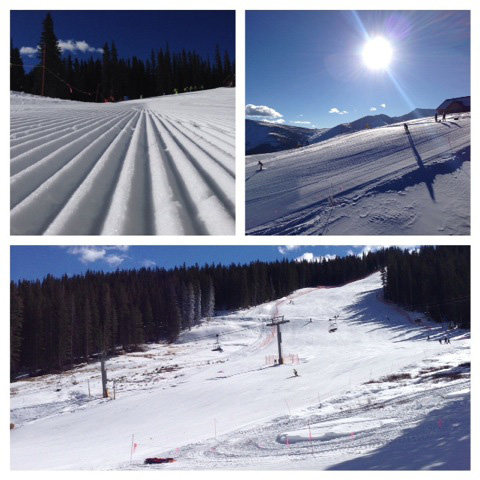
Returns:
(124, 169)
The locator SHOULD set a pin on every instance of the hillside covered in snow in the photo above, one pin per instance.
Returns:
(379, 181)
(163, 166)
(380, 392)
(266, 137)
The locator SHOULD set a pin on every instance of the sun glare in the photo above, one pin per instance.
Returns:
(377, 53)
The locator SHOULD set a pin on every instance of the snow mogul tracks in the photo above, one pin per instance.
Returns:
(394, 421)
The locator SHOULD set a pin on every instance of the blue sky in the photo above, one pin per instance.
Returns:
(305, 66)
(134, 32)
(32, 262)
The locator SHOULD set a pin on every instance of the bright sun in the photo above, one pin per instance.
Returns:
(377, 53)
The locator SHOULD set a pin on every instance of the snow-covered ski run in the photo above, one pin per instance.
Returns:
(375, 394)
(380, 181)
(163, 166)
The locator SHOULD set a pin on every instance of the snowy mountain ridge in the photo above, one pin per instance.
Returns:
(264, 137)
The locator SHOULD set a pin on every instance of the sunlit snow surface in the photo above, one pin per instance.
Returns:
(235, 410)
(163, 165)
(372, 182)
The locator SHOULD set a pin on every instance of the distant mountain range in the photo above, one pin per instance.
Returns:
(264, 137)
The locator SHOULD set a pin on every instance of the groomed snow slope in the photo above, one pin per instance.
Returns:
(235, 410)
(162, 165)
(380, 182)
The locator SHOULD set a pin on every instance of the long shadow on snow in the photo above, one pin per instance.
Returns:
(362, 313)
(425, 174)
(440, 442)
(252, 175)
(365, 311)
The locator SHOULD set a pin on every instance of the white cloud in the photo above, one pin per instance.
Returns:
(383, 105)
(301, 123)
(74, 46)
(373, 109)
(288, 248)
(336, 110)
(149, 263)
(370, 248)
(114, 260)
(312, 258)
(29, 51)
(374, 248)
(88, 254)
(261, 111)
(269, 120)
(121, 248)
(91, 254)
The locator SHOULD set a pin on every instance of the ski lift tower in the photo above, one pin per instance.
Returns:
(276, 322)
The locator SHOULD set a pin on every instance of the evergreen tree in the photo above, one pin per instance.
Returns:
(16, 325)
(197, 310)
(50, 70)
(17, 72)
(106, 72)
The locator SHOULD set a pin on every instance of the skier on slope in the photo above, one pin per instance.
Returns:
(295, 372)
(405, 126)
(261, 165)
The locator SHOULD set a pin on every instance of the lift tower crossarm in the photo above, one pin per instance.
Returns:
(276, 322)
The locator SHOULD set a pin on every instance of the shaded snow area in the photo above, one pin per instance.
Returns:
(162, 165)
(374, 394)
(372, 182)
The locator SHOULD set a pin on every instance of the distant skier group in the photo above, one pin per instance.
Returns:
(443, 340)
(405, 125)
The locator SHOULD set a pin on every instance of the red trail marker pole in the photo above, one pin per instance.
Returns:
(43, 73)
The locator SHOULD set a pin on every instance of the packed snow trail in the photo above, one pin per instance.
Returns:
(373, 182)
(184, 400)
(163, 166)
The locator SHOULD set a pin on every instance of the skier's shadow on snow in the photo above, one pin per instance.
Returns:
(428, 177)
(252, 175)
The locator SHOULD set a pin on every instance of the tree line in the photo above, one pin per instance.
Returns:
(434, 280)
(113, 78)
(58, 322)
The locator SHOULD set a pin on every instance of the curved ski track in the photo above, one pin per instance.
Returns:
(121, 170)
